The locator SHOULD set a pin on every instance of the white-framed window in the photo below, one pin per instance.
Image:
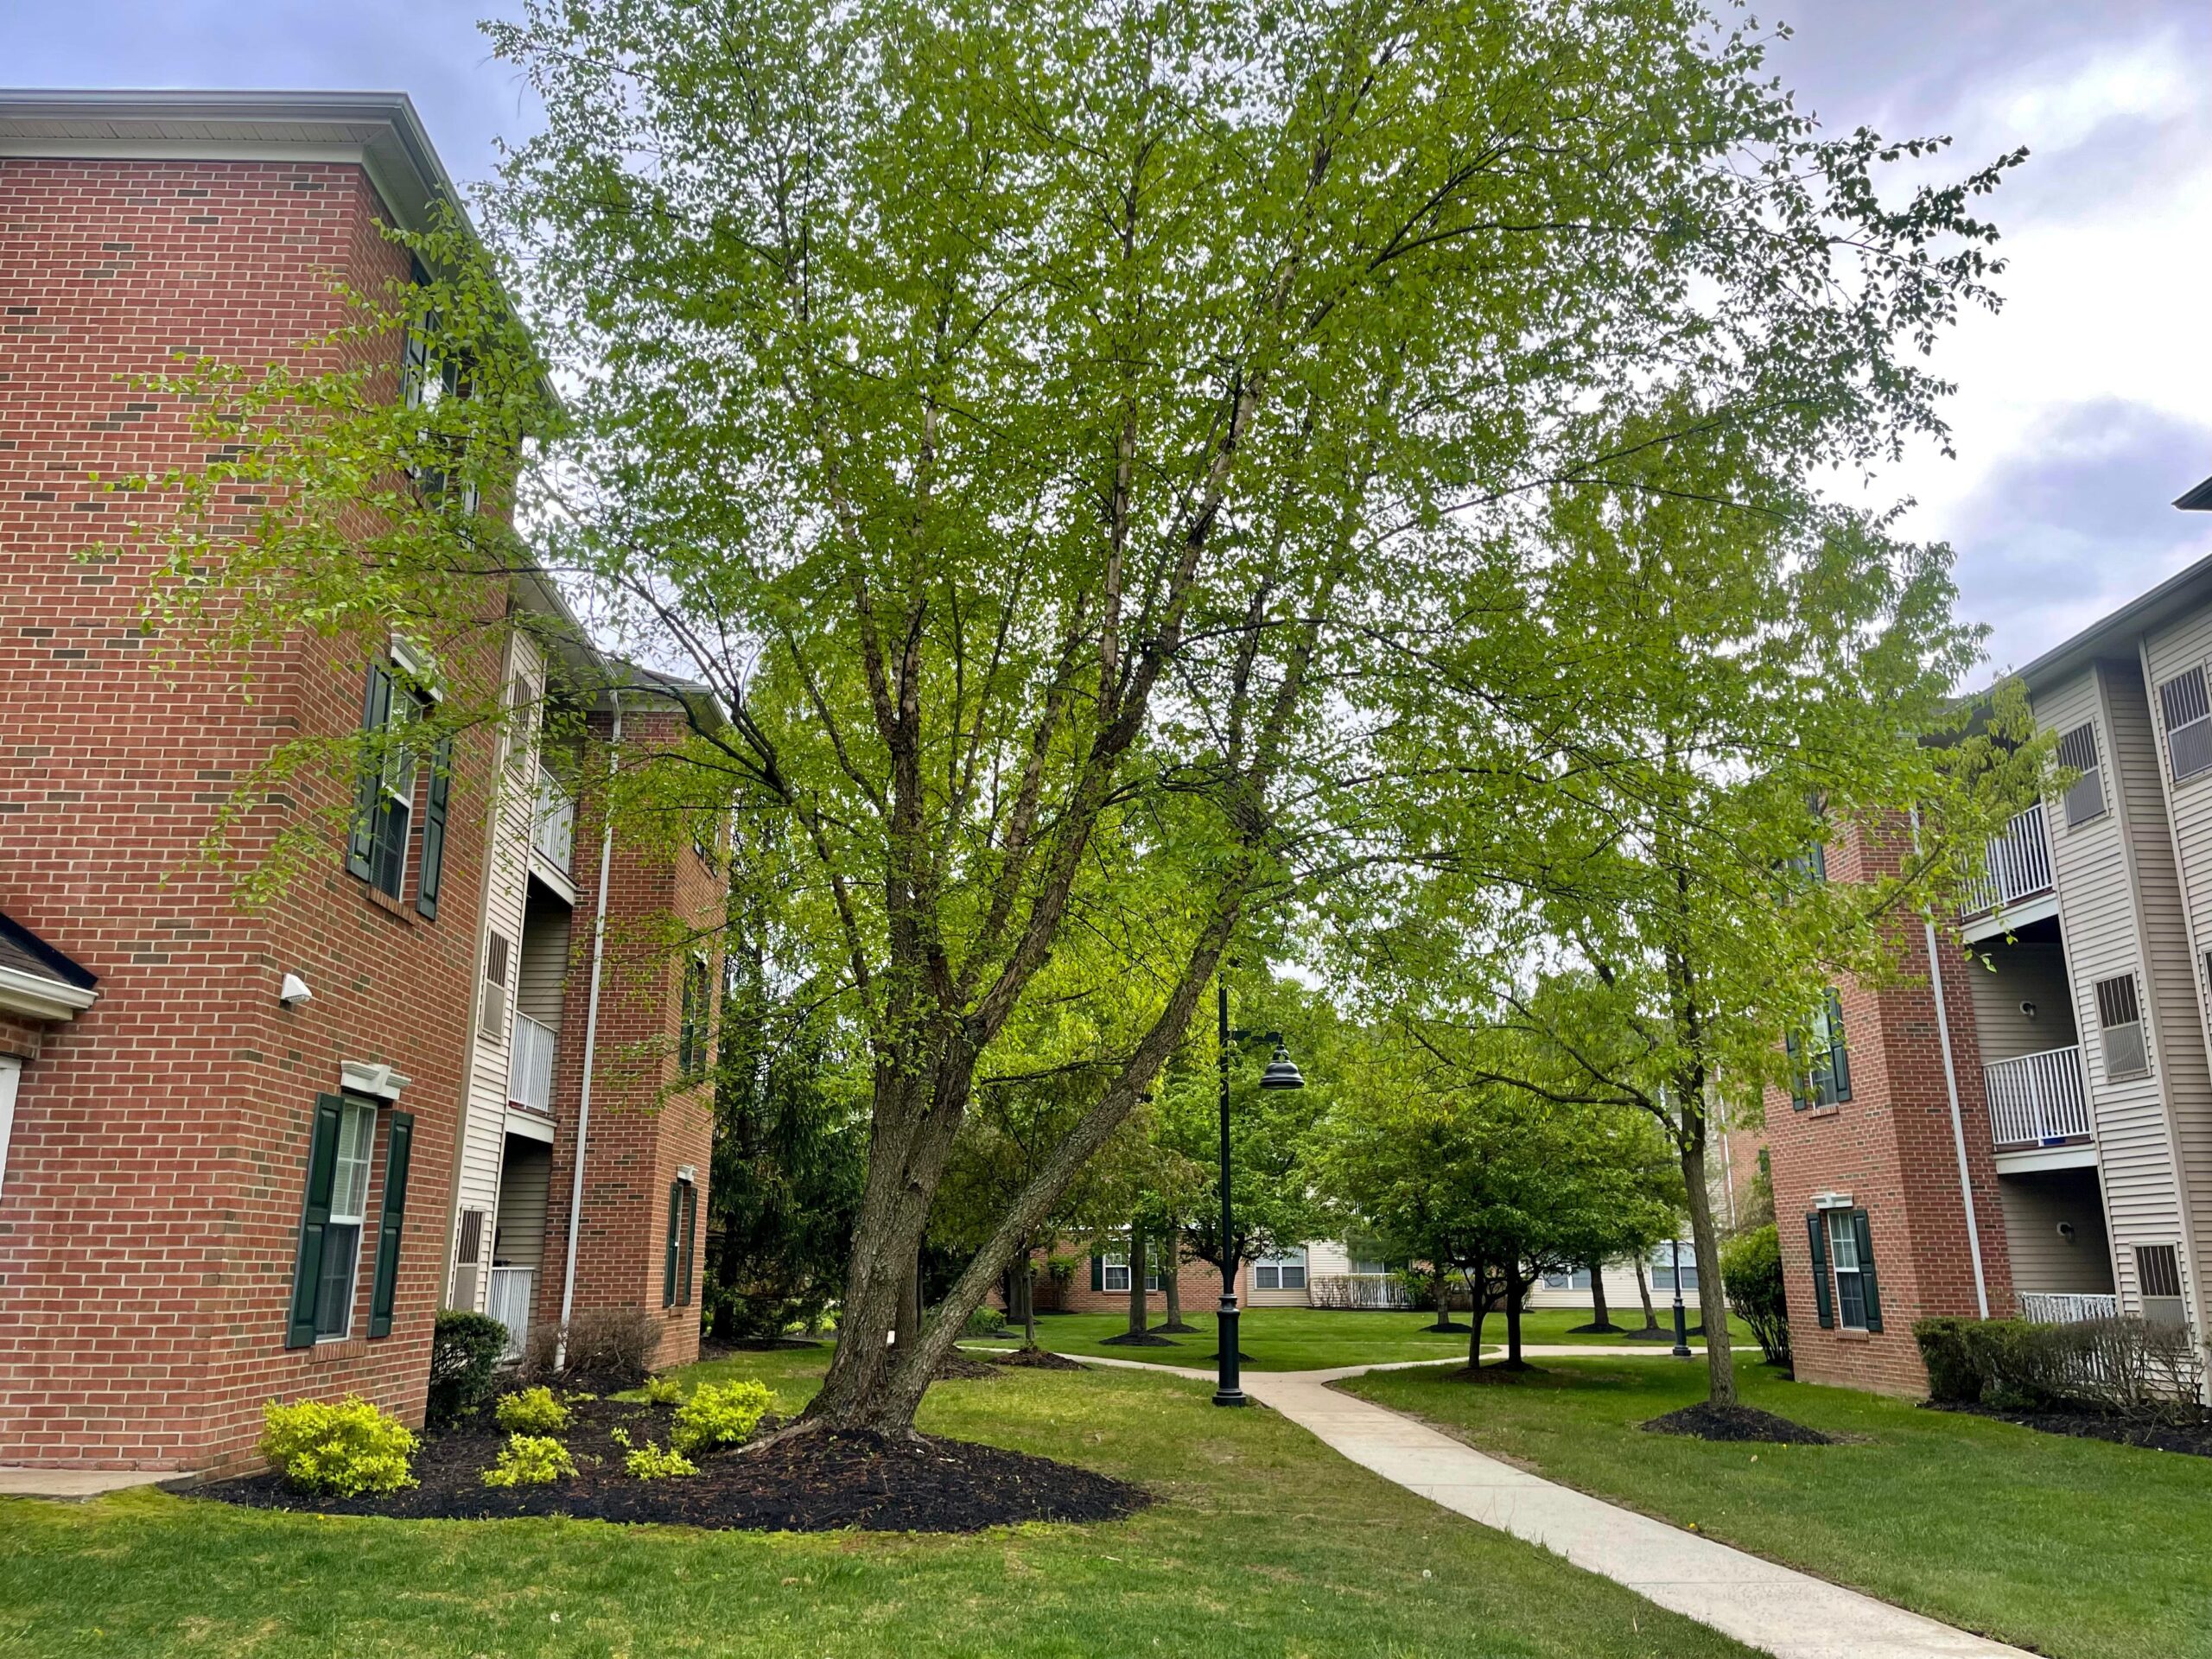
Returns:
(2119, 1025)
(1285, 1270)
(1663, 1265)
(1850, 1271)
(2077, 753)
(1114, 1272)
(2187, 708)
(1369, 1266)
(349, 1204)
(1577, 1279)
(11, 1077)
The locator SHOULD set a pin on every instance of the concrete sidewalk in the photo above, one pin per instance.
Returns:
(1789, 1614)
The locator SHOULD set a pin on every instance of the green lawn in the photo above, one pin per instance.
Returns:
(1264, 1545)
(2077, 1548)
(1307, 1338)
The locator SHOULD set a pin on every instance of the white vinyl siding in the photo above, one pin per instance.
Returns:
(518, 1240)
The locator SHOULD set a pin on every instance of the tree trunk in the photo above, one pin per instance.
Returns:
(1711, 1296)
(907, 1325)
(1643, 1289)
(1478, 1306)
(1601, 1317)
(1171, 1278)
(1515, 1289)
(1140, 1311)
(1021, 1296)
(1443, 1302)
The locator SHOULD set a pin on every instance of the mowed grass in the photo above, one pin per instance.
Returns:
(1262, 1544)
(2076, 1549)
(1307, 1338)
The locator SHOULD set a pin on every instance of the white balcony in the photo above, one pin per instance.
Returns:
(2019, 865)
(511, 1291)
(530, 1066)
(553, 823)
(2037, 1100)
(2066, 1307)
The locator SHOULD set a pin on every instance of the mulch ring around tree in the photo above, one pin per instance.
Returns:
(805, 1482)
(1706, 1422)
(958, 1367)
(1038, 1360)
(2192, 1438)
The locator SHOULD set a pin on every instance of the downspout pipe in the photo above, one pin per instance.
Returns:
(591, 1046)
(1951, 1085)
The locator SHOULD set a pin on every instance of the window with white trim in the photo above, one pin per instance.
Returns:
(349, 1207)
(1285, 1270)
(1663, 1265)
(2187, 710)
(1114, 1272)
(2119, 1025)
(1850, 1271)
(1577, 1280)
(2085, 796)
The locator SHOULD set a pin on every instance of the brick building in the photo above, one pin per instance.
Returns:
(215, 1190)
(2028, 1127)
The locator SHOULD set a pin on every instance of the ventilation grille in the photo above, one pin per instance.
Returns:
(492, 1024)
(2188, 711)
(467, 1259)
(2084, 796)
(2158, 1276)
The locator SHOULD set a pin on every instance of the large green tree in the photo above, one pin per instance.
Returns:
(1036, 426)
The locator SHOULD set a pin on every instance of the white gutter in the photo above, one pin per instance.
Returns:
(591, 1043)
(1951, 1085)
(42, 998)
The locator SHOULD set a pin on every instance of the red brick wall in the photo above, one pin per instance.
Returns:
(1199, 1282)
(1891, 1146)
(643, 1128)
(149, 1217)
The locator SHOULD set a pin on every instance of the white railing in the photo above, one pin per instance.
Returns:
(2037, 1100)
(553, 823)
(2019, 865)
(510, 1292)
(2066, 1307)
(1358, 1290)
(530, 1066)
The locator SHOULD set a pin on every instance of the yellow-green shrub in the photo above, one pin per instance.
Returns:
(530, 1460)
(662, 1391)
(649, 1462)
(344, 1448)
(531, 1411)
(721, 1413)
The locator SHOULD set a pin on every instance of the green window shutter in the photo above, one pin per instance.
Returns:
(315, 1219)
(1098, 1272)
(397, 1156)
(668, 1260)
(1839, 1062)
(1866, 1269)
(1824, 1296)
(433, 829)
(361, 836)
(684, 1255)
(1797, 1099)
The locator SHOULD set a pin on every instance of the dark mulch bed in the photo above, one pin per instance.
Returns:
(1136, 1340)
(710, 1349)
(1038, 1360)
(1449, 1326)
(1606, 1330)
(1662, 1333)
(803, 1483)
(1706, 1422)
(958, 1367)
(2191, 1439)
(1504, 1370)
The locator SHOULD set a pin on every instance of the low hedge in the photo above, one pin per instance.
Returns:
(2125, 1365)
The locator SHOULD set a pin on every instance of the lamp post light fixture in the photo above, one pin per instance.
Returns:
(1681, 1348)
(1281, 1073)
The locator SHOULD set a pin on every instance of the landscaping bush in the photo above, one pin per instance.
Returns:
(343, 1449)
(614, 1344)
(1954, 1378)
(1751, 1267)
(664, 1391)
(2021, 1364)
(530, 1460)
(649, 1462)
(985, 1322)
(465, 1350)
(531, 1411)
(721, 1413)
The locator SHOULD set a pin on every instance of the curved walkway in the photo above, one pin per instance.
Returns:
(1789, 1614)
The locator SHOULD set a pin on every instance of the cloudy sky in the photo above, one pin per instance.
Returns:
(2082, 409)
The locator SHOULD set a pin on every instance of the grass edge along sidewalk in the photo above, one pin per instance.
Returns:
(2078, 1548)
(1263, 1544)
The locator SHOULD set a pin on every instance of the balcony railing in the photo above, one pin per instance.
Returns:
(530, 1066)
(509, 1303)
(2019, 865)
(2037, 1100)
(2066, 1307)
(553, 823)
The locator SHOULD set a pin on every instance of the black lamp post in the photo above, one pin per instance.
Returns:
(1281, 1073)
(1681, 1349)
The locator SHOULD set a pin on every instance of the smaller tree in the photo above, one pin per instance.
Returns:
(1751, 1263)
